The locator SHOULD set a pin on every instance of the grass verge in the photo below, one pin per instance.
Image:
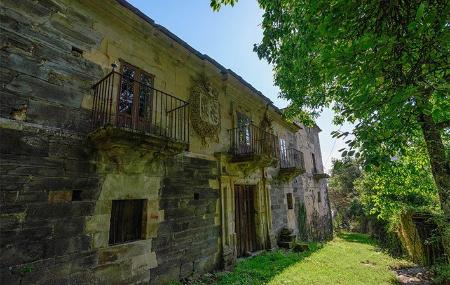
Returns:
(350, 258)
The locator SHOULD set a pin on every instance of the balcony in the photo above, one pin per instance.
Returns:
(252, 144)
(130, 110)
(319, 174)
(292, 163)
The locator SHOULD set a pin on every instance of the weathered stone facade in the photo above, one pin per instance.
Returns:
(62, 176)
(314, 190)
(309, 215)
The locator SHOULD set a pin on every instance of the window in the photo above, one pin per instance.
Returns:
(292, 141)
(314, 163)
(244, 132)
(128, 221)
(283, 149)
(290, 203)
(136, 95)
(243, 120)
(319, 197)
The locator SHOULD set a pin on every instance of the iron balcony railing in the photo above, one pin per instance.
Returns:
(291, 158)
(126, 103)
(251, 140)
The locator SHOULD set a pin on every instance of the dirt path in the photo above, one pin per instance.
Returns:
(414, 276)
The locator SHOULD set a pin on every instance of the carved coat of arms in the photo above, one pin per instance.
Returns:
(205, 109)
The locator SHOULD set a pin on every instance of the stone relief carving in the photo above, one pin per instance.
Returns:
(266, 122)
(205, 109)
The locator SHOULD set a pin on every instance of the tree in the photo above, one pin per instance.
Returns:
(383, 65)
(343, 195)
(401, 185)
(399, 188)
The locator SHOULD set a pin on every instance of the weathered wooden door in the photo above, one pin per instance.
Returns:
(245, 219)
(135, 98)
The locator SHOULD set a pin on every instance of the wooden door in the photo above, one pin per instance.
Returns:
(135, 98)
(245, 219)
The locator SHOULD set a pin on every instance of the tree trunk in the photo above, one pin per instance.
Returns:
(440, 165)
(440, 168)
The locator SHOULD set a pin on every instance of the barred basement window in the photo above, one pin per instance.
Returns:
(128, 221)
(290, 203)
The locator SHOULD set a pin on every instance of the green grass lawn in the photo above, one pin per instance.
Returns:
(349, 259)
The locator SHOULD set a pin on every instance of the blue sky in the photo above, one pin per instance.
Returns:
(228, 36)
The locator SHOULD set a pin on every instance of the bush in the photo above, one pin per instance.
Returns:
(442, 274)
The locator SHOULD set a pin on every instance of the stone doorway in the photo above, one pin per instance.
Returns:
(245, 219)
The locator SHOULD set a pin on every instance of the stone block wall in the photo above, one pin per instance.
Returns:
(279, 209)
(44, 155)
(317, 225)
(313, 222)
(42, 237)
(187, 242)
(56, 189)
(49, 235)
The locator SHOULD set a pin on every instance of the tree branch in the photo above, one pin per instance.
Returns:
(443, 125)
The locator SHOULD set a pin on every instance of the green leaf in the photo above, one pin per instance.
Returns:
(420, 11)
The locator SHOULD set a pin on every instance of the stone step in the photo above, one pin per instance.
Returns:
(287, 238)
(284, 244)
(300, 247)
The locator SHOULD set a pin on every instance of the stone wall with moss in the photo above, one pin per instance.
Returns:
(310, 217)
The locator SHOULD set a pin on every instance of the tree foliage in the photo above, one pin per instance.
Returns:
(216, 4)
(405, 185)
(382, 65)
(399, 186)
(345, 201)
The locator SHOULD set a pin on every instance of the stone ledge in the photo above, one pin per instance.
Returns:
(287, 174)
(111, 138)
(319, 176)
(11, 124)
(247, 165)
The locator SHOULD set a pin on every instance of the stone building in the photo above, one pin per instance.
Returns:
(303, 204)
(128, 157)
